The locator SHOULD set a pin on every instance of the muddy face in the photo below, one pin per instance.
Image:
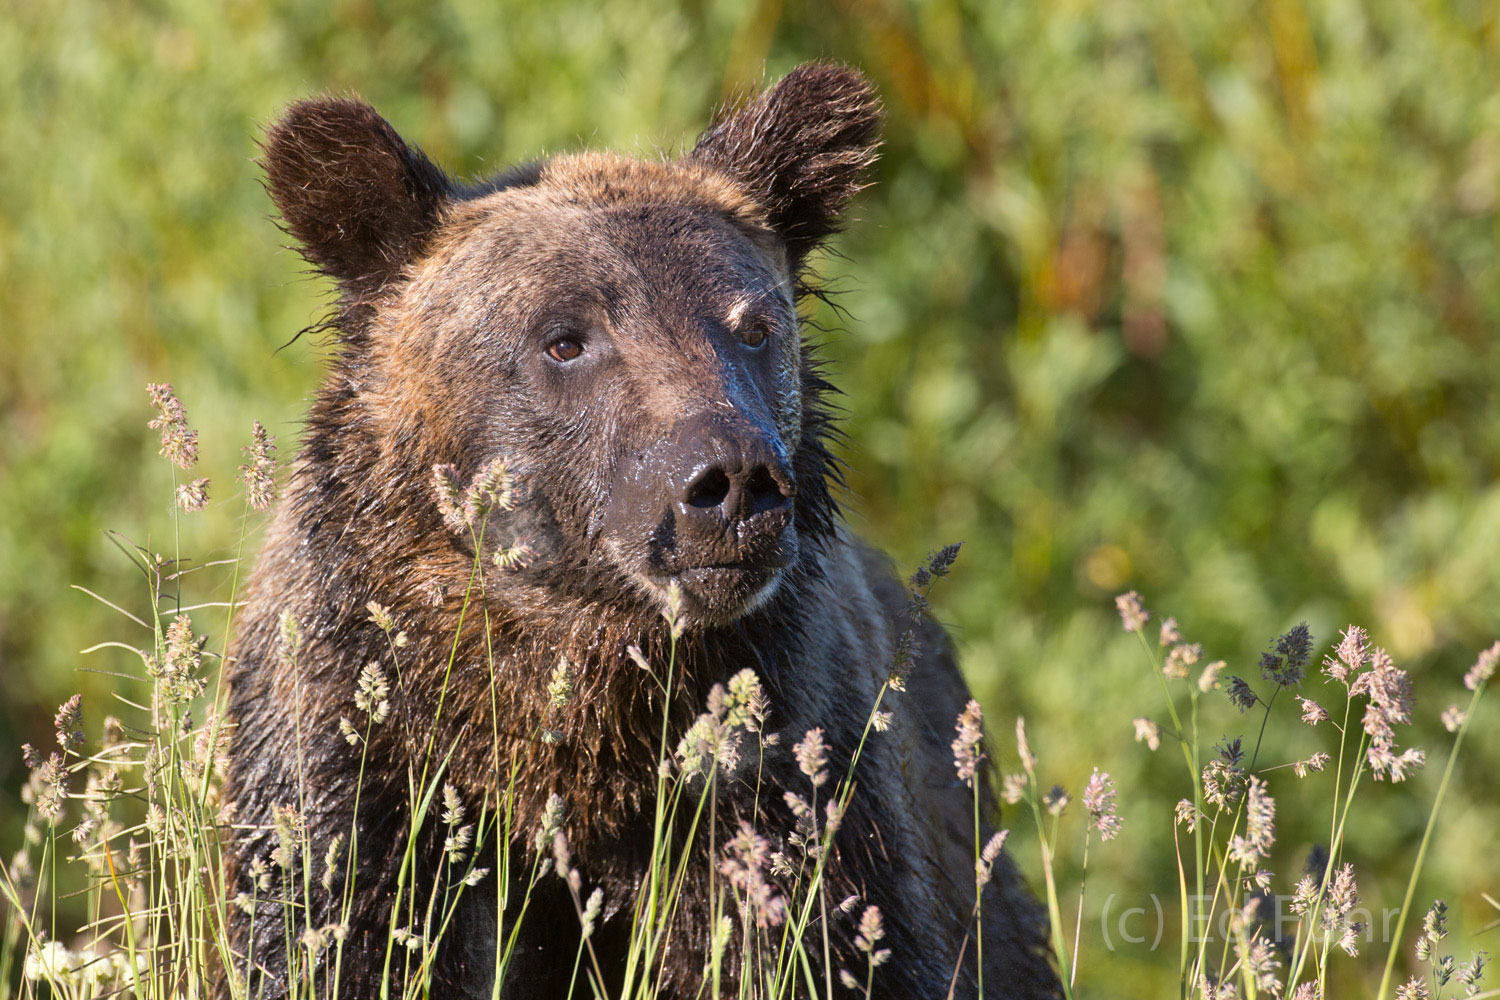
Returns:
(622, 332)
(701, 484)
(639, 368)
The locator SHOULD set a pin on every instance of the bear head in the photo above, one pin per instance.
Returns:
(622, 333)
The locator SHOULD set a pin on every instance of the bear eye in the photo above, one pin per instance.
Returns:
(754, 335)
(564, 349)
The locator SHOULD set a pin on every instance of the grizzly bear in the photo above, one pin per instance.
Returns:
(608, 349)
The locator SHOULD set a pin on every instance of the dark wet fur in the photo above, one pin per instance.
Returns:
(425, 267)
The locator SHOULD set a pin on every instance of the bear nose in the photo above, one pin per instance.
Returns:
(730, 472)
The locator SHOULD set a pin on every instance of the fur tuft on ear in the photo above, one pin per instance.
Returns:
(358, 199)
(802, 149)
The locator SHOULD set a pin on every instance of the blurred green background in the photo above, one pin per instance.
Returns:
(1199, 299)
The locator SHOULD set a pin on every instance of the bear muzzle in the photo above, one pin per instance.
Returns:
(713, 503)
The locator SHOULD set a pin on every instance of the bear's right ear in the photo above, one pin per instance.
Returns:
(358, 199)
(802, 149)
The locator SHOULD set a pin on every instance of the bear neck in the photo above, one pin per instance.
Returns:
(474, 679)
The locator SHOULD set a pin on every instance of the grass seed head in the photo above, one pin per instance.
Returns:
(1099, 800)
(179, 442)
(258, 474)
(1483, 669)
(967, 754)
(812, 757)
(1241, 695)
(193, 497)
(1133, 614)
(69, 724)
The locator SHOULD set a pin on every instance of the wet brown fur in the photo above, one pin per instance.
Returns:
(412, 385)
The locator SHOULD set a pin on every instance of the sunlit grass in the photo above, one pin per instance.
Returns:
(130, 830)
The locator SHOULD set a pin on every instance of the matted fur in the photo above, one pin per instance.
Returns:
(423, 263)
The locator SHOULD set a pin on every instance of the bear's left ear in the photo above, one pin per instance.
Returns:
(802, 149)
(358, 199)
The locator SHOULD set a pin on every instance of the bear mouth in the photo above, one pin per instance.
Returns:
(719, 578)
(717, 591)
(721, 592)
(732, 574)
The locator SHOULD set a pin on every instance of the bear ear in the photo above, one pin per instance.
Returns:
(802, 149)
(358, 199)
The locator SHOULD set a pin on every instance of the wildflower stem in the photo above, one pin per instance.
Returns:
(659, 832)
(1078, 924)
(1054, 913)
(1298, 951)
(1171, 706)
(1335, 846)
(978, 900)
(1185, 983)
(1221, 884)
(827, 958)
(662, 930)
(1197, 833)
(1260, 736)
(1190, 756)
(1416, 870)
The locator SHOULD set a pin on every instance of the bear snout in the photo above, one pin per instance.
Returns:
(715, 498)
(727, 475)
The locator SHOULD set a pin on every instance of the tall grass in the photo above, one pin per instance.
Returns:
(130, 826)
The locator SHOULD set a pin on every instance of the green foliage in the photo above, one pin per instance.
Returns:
(1195, 298)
